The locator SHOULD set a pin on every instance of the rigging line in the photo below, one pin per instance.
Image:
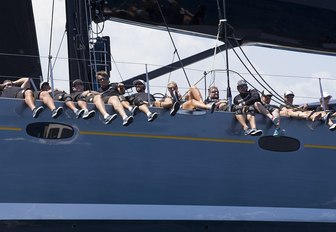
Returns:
(21, 55)
(100, 28)
(218, 32)
(50, 39)
(279, 98)
(169, 76)
(172, 40)
(248, 60)
(212, 81)
(322, 97)
(235, 39)
(277, 95)
(59, 49)
(203, 77)
(277, 101)
(119, 73)
(116, 65)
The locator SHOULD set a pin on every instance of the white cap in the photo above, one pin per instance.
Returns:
(326, 95)
(139, 81)
(289, 92)
(266, 93)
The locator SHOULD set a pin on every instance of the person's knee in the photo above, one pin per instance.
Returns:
(44, 95)
(67, 98)
(258, 105)
(138, 102)
(238, 110)
(28, 93)
(250, 110)
(114, 100)
(193, 87)
(97, 98)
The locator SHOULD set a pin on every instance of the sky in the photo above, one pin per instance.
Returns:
(133, 47)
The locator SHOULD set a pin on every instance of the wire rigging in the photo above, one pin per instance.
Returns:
(50, 38)
(59, 48)
(172, 40)
(250, 63)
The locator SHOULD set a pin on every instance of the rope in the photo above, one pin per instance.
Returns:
(50, 39)
(59, 48)
(172, 40)
(170, 72)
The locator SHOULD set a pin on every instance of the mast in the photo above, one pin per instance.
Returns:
(228, 90)
(78, 39)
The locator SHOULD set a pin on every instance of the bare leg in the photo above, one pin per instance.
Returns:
(251, 120)
(99, 103)
(167, 103)
(29, 99)
(126, 104)
(262, 110)
(144, 108)
(194, 93)
(81, 104)
(114, 101)
(276, 114)
(47, 100)
(242, 120)
(71, 105)
(192, 104)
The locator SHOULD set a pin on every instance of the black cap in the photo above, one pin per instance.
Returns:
(241, 82)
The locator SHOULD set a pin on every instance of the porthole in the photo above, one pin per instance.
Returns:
(50, 130)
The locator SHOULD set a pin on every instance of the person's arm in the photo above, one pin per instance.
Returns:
(254, 96)
(23, 82)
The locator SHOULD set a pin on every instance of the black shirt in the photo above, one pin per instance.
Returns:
(110, 90)
(11, 92)
(143, 96)
(250, 97)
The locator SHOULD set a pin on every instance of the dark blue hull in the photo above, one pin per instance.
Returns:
(195, 167)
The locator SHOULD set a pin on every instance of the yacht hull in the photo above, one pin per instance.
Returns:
(189, 171)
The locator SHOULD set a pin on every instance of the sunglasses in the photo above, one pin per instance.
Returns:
(102, 79)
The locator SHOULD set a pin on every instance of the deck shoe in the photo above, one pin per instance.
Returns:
(110, 118)
(57, 112)
(275, 121)
(152, 117)
(175, 108)
(89, 114)
(128, 120)
(332, 127)
(326, 117)
(134, 110)
(256, 132)
(79, 113)
(248, 131)
(277, 132)
(37, 111)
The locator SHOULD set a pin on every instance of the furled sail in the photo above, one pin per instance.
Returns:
(289, 24)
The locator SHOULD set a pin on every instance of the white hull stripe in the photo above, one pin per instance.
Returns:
(24, 211)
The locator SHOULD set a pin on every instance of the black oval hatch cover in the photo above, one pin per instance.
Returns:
(279, 144)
